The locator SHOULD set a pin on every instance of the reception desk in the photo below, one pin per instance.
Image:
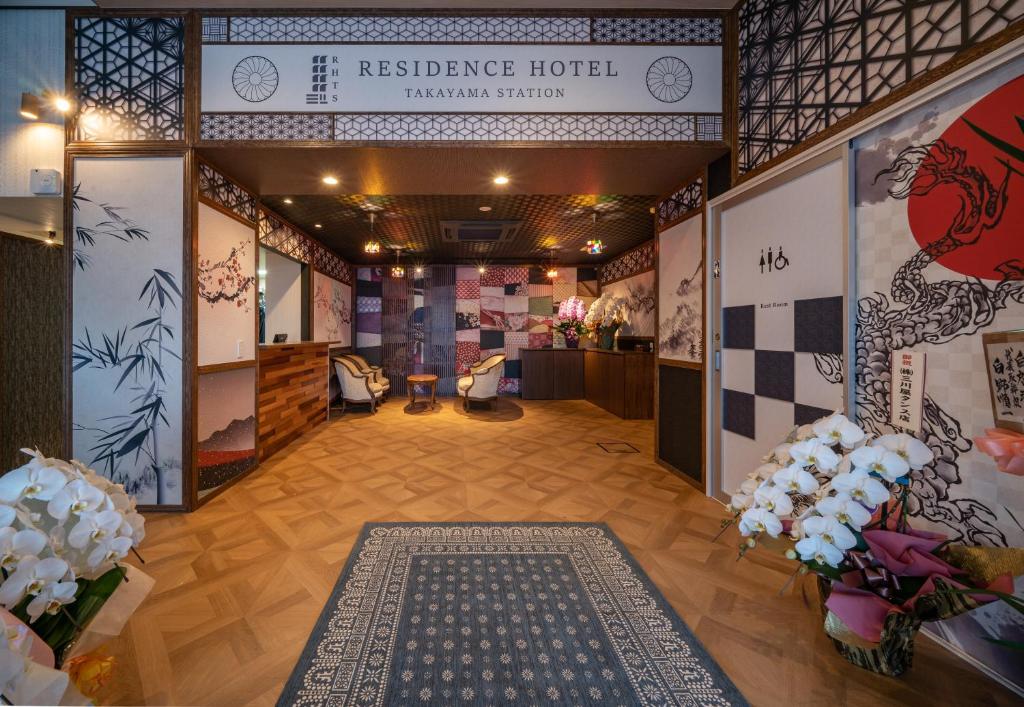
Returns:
(293, 392)
(621, 382)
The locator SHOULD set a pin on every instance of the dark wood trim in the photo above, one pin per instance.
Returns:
(227, 366)
(29, 239)
(193, 76)
(681, 364)
(189, 314)
(649, 242)
(732, 22)
(463, 12)
(958, 61)
(699, 485)
(701, 173)
(203, 500)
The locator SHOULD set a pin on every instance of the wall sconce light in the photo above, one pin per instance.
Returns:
(482, 270)
(61, 104)
(418, 270)
(31, 106)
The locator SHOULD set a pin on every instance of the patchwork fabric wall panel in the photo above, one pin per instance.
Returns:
(934, 275)
(782, 314)
(369, 295)
(638, 293)
(439, 332)
(226, 288)
(397, 346)
(681, 291)
(227, 426)
(127, 322)
(332, 310)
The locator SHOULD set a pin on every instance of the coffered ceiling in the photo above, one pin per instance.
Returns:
(556, 226)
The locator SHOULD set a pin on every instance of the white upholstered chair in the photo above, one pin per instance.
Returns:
(356, 386)
(481, 385)
(376, 373)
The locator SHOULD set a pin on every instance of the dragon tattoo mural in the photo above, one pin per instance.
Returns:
(936, 312)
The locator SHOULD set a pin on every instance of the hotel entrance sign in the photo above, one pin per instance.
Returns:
(529, 78)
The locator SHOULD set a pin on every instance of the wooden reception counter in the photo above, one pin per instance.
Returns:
(621, 382)
(293, 397)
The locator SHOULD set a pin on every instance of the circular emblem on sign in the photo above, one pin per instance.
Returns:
(255, 79)
(669, 79)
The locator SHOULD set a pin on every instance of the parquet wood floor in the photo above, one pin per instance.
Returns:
(241, 582)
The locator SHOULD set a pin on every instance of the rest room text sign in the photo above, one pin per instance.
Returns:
(370, 78)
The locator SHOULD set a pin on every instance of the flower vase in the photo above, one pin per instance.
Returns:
(572, 339)
(607, 337)
(892, 655)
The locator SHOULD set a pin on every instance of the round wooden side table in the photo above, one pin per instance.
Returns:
(425, 379)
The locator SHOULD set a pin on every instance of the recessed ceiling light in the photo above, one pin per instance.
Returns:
(287, 200)
(318, 225)
(501, 180)
(485, 208)
(330, 180)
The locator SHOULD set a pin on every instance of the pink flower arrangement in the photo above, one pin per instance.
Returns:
(572, 310)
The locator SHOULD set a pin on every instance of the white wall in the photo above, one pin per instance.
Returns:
(31, 60)
(283, 295)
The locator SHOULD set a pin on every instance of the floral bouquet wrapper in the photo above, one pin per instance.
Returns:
(871, 628)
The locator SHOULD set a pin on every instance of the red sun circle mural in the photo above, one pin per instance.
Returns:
(932, 211)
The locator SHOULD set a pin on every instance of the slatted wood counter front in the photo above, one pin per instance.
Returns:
(292, 392)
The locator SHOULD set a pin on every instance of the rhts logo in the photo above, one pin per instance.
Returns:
(323, 85)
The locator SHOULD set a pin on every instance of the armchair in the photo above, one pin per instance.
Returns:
(356, 386)
(376, 373)
(481, 385)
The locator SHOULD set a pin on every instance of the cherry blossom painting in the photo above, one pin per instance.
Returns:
(332, 310)
(225, 288)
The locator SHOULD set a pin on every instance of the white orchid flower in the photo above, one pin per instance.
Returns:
(749, 486)
(740, 502)
(831, 530)
(774, 499)
(31, 481)
(914, 451)
(812, 451)
(837, 429)
(134, 527)
(795, 479)
(815, 547)
(94, 526)
(31, 576)
(109, 549)
(862, 487)
(781, 454)
(77, 497)
(804, 432)
(760, 520)
(18, 544)
(51, 598)
(765, 471)
(845, 509)
(889, 465)
(8, 514)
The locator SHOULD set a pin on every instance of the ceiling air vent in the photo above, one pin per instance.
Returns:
(479, 231)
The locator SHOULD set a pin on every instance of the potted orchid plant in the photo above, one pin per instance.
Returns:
(841, 499)
(605, 316)
(64, 531)
(570, 321)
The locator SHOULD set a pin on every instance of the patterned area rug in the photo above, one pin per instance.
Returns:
(500, 614)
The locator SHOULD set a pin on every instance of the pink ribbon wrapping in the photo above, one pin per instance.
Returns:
(906, 554)
(1006, 447)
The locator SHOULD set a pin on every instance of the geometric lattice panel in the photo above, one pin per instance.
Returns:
(451, 29)
(461, 127)
(805, 64)
(129, 78)
(278, 235)
(217, 188)
(680, 204)
(638, 260)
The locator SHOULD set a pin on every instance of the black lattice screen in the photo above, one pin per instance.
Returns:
(804, 64)
(439, 326)
(397, 346)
